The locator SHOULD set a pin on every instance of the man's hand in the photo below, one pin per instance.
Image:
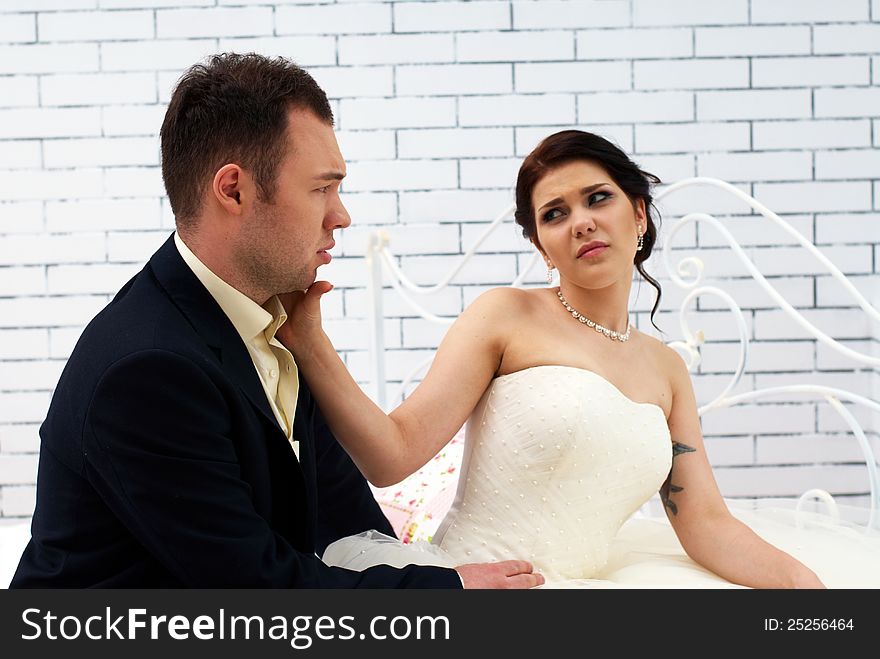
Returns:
(506, 574)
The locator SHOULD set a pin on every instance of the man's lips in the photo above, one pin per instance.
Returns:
(591, 249)
(324, 252)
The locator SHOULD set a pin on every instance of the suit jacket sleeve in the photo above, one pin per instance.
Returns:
(346, 505)
(158, 446)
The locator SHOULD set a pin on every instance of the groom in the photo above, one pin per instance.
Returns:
(181, 449)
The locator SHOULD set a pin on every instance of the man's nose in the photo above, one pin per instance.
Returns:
(337, 216)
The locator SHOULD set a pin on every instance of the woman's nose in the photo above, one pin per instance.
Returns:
(582, 222)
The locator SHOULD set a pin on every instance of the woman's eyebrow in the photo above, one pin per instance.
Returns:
(586, 190)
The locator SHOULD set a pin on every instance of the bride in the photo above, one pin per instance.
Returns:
(574, 417)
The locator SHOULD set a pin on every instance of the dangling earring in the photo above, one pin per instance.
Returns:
(549, 274)
(641, 242)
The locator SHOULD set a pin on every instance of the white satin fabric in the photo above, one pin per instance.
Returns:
(557, 461)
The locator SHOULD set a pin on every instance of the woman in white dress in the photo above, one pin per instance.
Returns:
(575, 418)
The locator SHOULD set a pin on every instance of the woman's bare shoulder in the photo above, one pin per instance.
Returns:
(668, 359)
(506, 300)
(671, 362)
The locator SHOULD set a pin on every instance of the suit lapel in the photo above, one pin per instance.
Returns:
(208, 319)
(304, 432)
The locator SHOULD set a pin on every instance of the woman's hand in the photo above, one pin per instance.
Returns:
(805, 578)
(303, 326)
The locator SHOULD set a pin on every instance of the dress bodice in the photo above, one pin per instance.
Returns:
(556, 459)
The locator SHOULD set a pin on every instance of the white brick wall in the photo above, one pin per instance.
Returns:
(455, 142)
(20, 438)
(333, 19)
(752, 40)
(641, 107)
(307, 50)
(50, 122)
(516, 110)
(815, 196)
(454, 79)
(689, 12)
(691, 74)
(749, 166)
(18, 91)
(808, 11)
(627, 44)
(571, 77)
(754, 104)
(855, 102)
(810, 134)
(514, 46)
(810, 71)
(588, 13)
(451, 16)
(218, 22)
(25, 154)
(397, 113)
(95, 25)
(691, 137)
(48, 58)
(18, 28)
(436, 103)
(396, 49)
(352, 81)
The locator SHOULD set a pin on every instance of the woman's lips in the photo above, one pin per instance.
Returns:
(595, 251)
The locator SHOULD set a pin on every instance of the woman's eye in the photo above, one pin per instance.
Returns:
(596, 197)
(552, 214)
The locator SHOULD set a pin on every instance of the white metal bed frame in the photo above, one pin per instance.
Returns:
(687, 275)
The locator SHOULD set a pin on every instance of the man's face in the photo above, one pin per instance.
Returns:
(284, 241)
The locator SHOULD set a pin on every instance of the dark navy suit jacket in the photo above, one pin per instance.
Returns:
(162, 464)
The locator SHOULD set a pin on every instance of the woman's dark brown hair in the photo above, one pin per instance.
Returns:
(232, 109)
(573, 145)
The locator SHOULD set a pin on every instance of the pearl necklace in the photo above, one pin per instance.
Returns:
(611, 334)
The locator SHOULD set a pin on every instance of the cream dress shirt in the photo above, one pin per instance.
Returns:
(257, 326)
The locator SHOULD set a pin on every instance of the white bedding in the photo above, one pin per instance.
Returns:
(13, 538)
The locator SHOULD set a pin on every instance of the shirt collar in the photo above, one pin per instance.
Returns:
(248, 317)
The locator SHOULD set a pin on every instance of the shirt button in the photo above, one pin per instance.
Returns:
(273, 373)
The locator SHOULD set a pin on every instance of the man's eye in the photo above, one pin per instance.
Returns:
(324, 189)
(552, 214)
(596, 197)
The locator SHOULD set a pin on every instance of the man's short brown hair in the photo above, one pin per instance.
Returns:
(231, 109)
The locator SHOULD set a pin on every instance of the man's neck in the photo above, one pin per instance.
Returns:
(220, 260)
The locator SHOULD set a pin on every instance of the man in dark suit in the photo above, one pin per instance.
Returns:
(181, 449)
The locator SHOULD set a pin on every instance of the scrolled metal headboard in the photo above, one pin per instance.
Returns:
(687, 274)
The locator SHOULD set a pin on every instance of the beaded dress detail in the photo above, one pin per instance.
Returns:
(556, 459)
(557, 462)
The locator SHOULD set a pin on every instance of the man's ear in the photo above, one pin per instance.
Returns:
(230, 188)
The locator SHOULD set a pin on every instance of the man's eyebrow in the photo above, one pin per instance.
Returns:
(327, 176)
(586, 190)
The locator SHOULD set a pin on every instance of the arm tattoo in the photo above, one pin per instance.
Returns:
(667, 489)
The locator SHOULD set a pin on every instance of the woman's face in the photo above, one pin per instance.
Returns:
(586, 225)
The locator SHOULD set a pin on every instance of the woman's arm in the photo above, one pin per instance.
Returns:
(387, 448)
(707, 531)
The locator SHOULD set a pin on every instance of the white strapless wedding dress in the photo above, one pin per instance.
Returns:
(556, 462)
